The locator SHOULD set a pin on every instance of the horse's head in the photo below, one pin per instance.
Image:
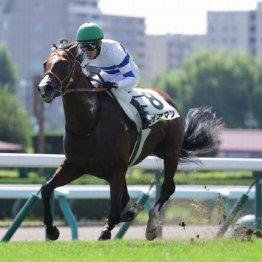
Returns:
(60, 69)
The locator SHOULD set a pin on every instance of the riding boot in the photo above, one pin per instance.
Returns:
(143, 114)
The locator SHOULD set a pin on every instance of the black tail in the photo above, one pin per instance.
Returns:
(201, 132)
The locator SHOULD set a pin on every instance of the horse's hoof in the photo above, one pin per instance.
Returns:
(52, 233)
(153, 233)
(105, 235)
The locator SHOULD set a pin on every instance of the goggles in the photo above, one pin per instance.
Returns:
(88, 46)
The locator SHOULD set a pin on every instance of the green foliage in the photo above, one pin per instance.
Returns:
(229, 82)
(8, 73)
(14, 120)
(135, 177)
(257, 94)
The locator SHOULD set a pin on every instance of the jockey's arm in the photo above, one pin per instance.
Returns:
(126, 81)
(105, 77)
(123, 81)
(127, 77)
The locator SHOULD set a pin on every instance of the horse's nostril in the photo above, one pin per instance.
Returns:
(45, 90)
(48, 88)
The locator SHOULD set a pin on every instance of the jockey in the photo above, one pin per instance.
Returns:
(119, 72)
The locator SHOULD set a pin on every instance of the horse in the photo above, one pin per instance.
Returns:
(99, 138)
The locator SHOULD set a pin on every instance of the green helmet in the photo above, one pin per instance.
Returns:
(89, 32)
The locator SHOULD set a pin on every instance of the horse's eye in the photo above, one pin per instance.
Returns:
(65, 64)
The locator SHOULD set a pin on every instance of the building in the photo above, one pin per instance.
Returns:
(165, 52)
(233, 30)
(257, 28)
(240, 143)
(6, 147)
(29, 28)
(129, 31)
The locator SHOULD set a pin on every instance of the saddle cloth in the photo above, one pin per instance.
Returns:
(153, 103)
(157, 109)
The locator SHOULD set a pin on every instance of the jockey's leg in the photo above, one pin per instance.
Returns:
(124, 96)
(143, 114)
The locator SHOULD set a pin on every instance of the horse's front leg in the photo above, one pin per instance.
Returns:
(52, 233)
(117, 191)
(62, 176)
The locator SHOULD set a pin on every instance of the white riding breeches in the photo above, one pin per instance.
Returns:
(122, 94)
(124, 97)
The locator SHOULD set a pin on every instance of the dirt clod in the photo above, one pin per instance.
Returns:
(182, 224)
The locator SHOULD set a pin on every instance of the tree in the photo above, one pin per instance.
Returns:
(218, 79)
(8, 73)
(14, 120)
(257, 95)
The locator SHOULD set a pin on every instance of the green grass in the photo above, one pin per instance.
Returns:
(137, 177)
(132, 250)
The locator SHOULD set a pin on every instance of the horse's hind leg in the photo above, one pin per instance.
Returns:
(167, 189)
(131, 213)
(62, 176)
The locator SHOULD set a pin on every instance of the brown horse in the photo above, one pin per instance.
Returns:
(99, 139)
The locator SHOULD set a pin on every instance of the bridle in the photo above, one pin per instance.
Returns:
(68, 79)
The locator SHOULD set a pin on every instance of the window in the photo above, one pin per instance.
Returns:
(38, 6)
(252, 40)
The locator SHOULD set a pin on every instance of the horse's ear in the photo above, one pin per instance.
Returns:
(53, 49)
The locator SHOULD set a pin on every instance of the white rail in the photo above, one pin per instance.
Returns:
(196, 192)
(154, 163)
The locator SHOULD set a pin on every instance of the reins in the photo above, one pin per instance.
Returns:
(95, 90)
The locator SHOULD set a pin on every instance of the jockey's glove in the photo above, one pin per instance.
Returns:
(110, 85)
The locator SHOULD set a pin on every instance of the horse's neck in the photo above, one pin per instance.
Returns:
(81, 110)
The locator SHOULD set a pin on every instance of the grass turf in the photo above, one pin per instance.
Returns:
(133, 250)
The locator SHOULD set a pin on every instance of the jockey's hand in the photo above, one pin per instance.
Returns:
(110, 85)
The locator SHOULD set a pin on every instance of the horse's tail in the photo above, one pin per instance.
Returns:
(202, 129)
